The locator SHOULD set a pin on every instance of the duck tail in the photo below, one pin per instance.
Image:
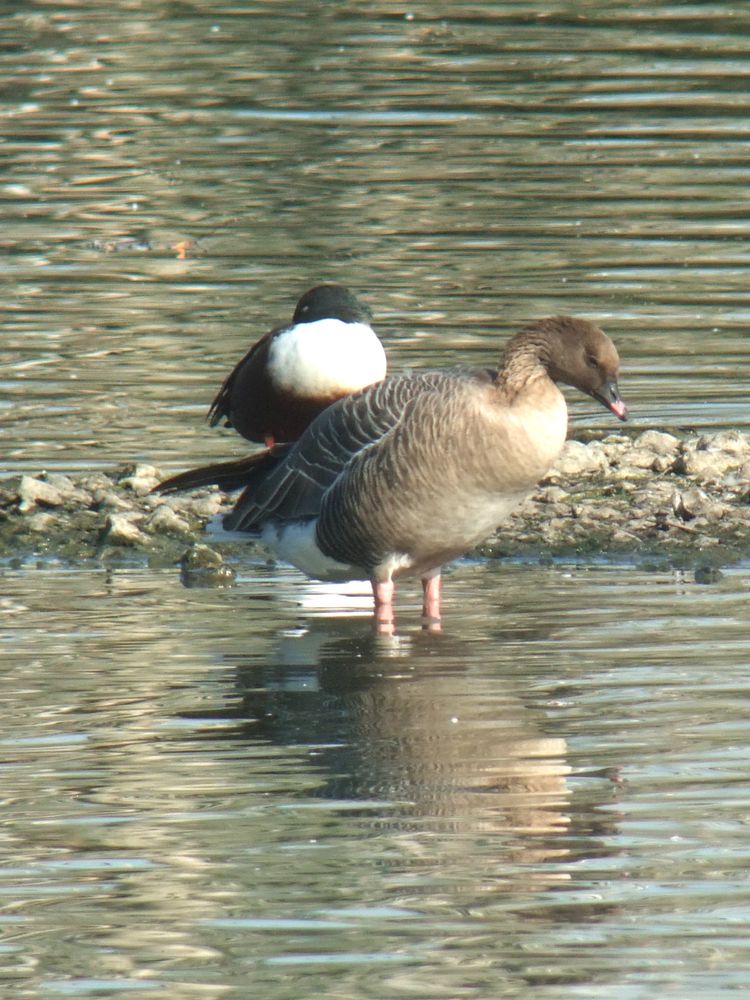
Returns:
(228, 476)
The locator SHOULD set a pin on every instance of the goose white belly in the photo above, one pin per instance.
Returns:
(295, 543)
(437, 542)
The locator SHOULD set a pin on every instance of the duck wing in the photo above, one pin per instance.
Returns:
(294, 489)
(222, 404)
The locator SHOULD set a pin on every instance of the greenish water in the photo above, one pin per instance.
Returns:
(244, 791)
(463, 168)
(249, 789)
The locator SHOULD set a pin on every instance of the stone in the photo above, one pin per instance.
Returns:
(639, 458)
(579, 460)
(551, 494)
(112, 501)
(732, 442)
(33, 492)
(70, 492)
(42, 522)
(206, 506)
(709, 465)
(202, 566)
(622, 537)
(626, 473)
(615, 447)
(142, 480)
(662, 463)
(164, 521)
(200, 556)
(658, 442)
(120, 529)
(694, 503)
(96, 481)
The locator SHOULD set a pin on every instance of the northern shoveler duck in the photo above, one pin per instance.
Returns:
(289, 376)
(292, 374)
(416, 470)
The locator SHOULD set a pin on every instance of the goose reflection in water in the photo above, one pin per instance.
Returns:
(413, 737)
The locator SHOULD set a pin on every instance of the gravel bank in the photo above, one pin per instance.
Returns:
(681, 501)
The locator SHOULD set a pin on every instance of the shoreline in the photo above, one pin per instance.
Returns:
(682, 501)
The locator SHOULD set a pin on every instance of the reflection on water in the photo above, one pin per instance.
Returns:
(463, 170)
(436, 741)
(246, 790)
(206, 789)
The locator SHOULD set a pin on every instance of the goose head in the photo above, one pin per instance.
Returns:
(577, 353)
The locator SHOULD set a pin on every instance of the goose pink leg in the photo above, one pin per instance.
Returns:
(383, 592)
(431, 590)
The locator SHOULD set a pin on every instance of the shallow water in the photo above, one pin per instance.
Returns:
(245, 791)
(250, 789)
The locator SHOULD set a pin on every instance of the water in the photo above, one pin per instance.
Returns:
(552, 795)
(246, 791)
(464, 169)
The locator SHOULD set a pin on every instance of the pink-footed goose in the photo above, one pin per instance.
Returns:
(288, 377)
(414, 471)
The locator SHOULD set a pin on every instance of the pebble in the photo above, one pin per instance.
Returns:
(142, 479)
(109, 500)
(68, 489)
(550, 494)
(165, 521)
(120, 529)
(658, 443)
(207, 506)
(578, 459)
(651, 493)
(201, 566)
(689, 504)
(706, 466)
(41, 523)
(36, 491)
(641, 458)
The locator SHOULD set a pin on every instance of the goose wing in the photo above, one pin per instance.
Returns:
(294, 489)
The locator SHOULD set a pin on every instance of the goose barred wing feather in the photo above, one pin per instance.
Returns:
(295, 489)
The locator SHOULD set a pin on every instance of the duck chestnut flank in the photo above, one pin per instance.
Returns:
(404, 476)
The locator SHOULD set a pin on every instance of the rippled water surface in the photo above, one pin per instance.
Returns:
(175, 176)
(244, 791)
(250, 789)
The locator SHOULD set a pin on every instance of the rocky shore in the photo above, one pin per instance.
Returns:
(655, 497)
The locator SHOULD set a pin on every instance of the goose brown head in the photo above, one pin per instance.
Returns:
(577, 353)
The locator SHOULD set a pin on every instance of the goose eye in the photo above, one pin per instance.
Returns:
(591, 361)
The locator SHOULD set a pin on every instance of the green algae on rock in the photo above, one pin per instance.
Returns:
(683, 500)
